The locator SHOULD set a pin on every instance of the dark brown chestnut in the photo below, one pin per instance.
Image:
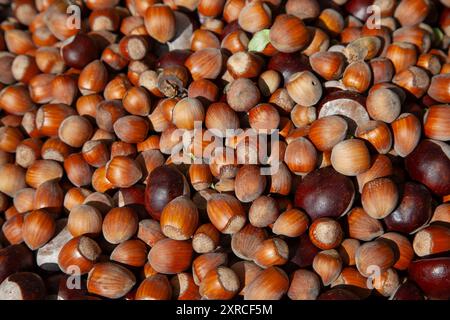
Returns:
(79, 50)
(13, 259)
(408, 291)
(338, 294)
(432, 276)
(303, 251)
(164, 184)
(316, 193)
(413, 211)
(429, 164)
(288, 63)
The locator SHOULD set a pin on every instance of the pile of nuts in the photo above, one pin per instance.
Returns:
(110, 186)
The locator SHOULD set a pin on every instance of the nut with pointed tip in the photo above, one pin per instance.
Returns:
(347, 251)
(255, 16)
(353, 280)
(402, 55)
(170, 256)
(350, 157)
(291, 223)
(439, 88)
(304, 88)
(81, 252)
(84, 220)
(362, 226)
(407, 131)
(329, 65)
(123, 172)
(301, 156)
(246, 241)
(376, 254)
(119, 225)
(226, 213)
(305, 285)
(38, 228)
(271, 252)
(357, 76)
(12, 229)
(155, 287)
(150, 232)
(270, 284)
(206, 238)
(433, 239)
(219, 283)
(379, 197)
(131, 252)
(412, 12)
(110, 280)
(204, 263)
(249, 183)
(206, 63)
(288, 33)
(328, 131)
(184, 287)
(377, 133)
(159, 20)
(328, 265)
(179, 218)
(437, 122)
(263, 211)
(93, 78)
(383, 104)
(414, 80)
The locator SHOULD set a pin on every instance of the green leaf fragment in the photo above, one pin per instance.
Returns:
(259, 41)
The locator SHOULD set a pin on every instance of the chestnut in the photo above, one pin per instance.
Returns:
(408, 291)
(431, 275)
(79, 50)
(429, 164)
(346, 103)
(15, 258)
(22, 286)
(164, 184)
(413, 211)
(316, 193)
